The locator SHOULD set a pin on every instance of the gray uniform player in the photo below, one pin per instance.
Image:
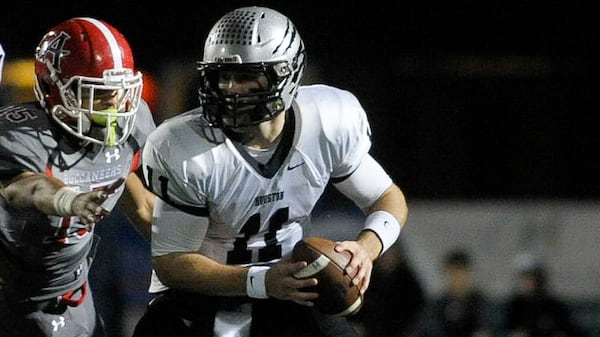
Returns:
(63, 162)
(237, 180)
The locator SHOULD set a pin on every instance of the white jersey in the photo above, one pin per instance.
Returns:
(218, 200)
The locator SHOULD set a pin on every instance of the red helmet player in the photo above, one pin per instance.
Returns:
(86, 80)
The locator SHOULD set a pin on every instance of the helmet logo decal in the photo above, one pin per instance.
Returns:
(291, 35)
(54, 50)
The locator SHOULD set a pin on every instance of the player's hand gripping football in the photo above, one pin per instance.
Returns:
(281, 283)
(360, 262)
(88, 206)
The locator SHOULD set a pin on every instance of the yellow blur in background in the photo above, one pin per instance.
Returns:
(18, 80)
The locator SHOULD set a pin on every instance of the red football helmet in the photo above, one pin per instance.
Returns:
(81, 65)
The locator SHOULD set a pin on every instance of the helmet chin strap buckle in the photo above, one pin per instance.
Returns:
(275, 106)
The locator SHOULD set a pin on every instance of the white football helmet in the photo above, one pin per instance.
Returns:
(251, 40)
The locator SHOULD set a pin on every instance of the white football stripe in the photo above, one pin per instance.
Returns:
(356, 305)
(313, 268)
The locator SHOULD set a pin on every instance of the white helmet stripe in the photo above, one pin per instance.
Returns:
(112, 42)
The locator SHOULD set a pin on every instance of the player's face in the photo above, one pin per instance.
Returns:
(231, 82)
(101, 100)
(105, 105)
(241, 85)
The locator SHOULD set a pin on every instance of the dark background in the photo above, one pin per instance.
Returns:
(492, 100)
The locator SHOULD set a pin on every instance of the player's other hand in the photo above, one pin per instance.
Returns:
(88, 206)
(360, 265)
(281, 283)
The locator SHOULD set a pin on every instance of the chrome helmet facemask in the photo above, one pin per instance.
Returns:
(242, 109)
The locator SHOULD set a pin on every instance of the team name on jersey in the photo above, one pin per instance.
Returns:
(267, 198)
(74, 178)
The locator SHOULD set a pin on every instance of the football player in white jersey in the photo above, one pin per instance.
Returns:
(65, 161)
(237, 180)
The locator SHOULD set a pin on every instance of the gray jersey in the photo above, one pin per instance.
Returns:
(256, 212)
(47, 255)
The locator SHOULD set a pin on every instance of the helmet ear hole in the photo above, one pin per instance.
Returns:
(45, 88)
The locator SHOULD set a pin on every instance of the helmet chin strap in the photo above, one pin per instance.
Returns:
(111, 132)
(235, 135)
(252, 134)
(108, 133)
(109, 122)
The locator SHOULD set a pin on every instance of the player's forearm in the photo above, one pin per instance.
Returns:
(32, 190)
(137, 204)
(370, 241)
(200, 274)
(393, 202)
(140, 218)
(388, 211)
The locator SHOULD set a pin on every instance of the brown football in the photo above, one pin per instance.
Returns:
(337, 295)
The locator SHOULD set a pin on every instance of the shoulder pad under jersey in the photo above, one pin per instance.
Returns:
(26, 137)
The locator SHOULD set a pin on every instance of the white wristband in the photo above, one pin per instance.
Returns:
(63, 199)
(385, 226)
(255, 282)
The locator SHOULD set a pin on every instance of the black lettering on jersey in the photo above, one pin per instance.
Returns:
(272, 249)
(16, 114)
(240, 253)
(164, 183)
(164, 194)
(267, 198)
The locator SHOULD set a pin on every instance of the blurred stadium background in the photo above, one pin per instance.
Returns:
(483, 113)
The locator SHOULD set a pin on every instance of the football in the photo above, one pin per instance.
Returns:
(337, 295)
